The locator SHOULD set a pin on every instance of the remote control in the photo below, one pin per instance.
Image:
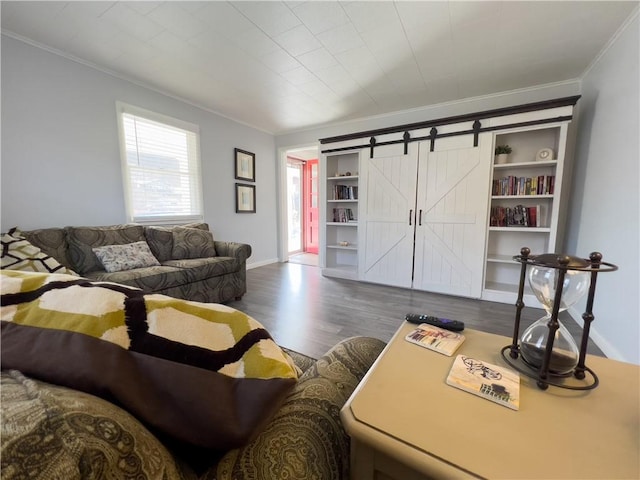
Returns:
(445, 323)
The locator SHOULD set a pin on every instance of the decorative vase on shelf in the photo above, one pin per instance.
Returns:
(502, 153)
(502, 158)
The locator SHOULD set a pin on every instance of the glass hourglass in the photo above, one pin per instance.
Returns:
(533, 342)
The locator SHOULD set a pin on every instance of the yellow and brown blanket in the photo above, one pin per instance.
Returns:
(201, 374)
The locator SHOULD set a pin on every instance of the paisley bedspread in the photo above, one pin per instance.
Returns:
(51, 432)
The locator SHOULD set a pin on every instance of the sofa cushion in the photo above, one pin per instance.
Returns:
(20, 254)
(82, 240)
(52, 241)
(203, 268)
(116, 258)
(160, 240)
(192, 243)
(149, 279)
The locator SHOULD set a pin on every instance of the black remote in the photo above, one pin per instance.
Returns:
(453, 325)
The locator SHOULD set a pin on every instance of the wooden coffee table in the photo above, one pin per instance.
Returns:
(406, 423)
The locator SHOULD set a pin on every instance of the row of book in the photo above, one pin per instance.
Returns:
(511, 185)
(345, 192)
(518, 216)
(343, 215)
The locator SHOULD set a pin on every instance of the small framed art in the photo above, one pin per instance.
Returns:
(245, 198)
(245, 165)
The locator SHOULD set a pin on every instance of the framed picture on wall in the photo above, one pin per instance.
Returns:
(245, 165)
(245, 198)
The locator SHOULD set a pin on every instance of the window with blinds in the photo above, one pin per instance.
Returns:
(161, 167)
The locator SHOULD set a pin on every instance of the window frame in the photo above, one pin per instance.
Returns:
(195, 166)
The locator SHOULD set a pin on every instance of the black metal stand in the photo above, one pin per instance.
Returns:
(562, 263)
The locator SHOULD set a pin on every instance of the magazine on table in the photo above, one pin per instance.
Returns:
(498, 384)
(436, 339)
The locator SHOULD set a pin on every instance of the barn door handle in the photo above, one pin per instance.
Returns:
(410, 216)
(420, 218)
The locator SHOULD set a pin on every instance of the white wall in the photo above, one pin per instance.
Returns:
(478, 104)
(605, 203)
(60, 154)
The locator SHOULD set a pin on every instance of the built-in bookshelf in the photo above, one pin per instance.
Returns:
(339, 245)
(524, 206)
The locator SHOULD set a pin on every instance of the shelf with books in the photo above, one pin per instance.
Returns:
(339, 217)
(524, 204)
(343, 215)
(518, 216)
(343, 191)
(513, 185)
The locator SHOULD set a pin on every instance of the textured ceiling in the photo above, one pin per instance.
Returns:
(283, 66)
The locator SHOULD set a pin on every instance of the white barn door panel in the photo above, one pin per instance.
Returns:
(452, 215)
(388, 216)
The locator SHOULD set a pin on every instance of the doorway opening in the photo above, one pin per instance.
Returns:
(294, 206)
(301, 212)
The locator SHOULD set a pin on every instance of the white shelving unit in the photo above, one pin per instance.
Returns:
(502, 273)
(339, 234)
(426, 215)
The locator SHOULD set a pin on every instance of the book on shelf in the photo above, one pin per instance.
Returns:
(343, 215)
(534, 216)
(436, 339)
(512, 185)
(498, 384)
(345, 192)
(518, 216)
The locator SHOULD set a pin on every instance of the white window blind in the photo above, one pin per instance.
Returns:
(161, 167)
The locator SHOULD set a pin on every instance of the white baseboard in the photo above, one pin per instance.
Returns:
(603, 344)
(261, 263)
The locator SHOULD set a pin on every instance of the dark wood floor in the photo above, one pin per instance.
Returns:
(309, 313)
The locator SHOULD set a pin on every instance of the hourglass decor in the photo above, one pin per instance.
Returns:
(546, 349)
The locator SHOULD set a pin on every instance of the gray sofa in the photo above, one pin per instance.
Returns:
(53, 431)
(190, 268)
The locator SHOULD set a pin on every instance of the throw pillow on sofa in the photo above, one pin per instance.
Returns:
(116, 258)
(20, 254)
(192, 243)
(160, 241)
(82, 240)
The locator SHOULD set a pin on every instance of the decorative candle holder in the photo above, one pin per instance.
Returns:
(546, 350)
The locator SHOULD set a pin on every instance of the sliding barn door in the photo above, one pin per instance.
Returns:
(452, 199)
(388, 216)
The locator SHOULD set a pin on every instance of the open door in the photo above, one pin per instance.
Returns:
(310, 207)
(299, 199)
